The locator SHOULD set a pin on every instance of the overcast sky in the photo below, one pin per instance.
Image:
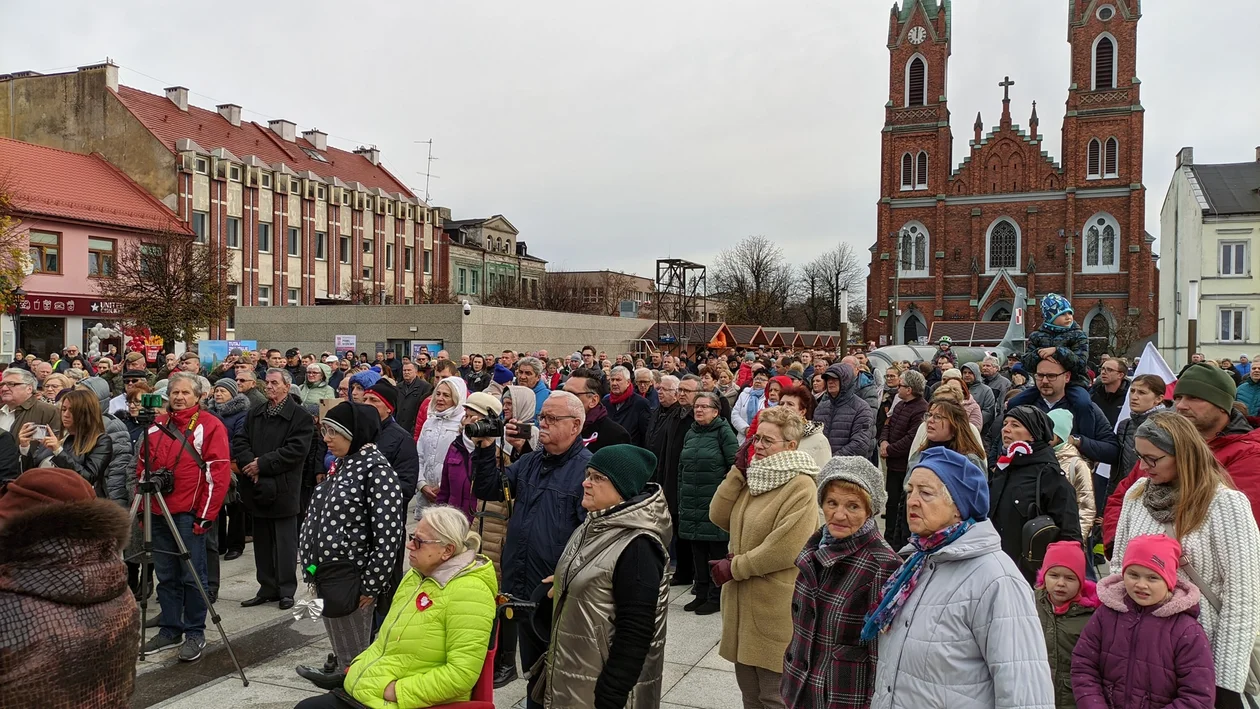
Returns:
(613, 135)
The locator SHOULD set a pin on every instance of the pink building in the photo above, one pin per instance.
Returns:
(77, 212)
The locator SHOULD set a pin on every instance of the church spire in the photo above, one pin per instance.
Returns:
(1032, 122)
(1006, 85)
(979, 127)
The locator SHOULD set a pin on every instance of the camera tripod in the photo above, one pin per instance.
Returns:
(146, 493)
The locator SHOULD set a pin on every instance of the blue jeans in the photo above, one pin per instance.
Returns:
(183, 609)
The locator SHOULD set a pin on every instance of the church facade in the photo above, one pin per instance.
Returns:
(954, 240)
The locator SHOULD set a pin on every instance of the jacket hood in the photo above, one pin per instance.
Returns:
(975, 370)
(1238, 424)
(1185, 598)
(645, 511)
(460, 391)
(99, 386)
(524, 401)
(981, 539)
(847, 376)
(67, 553)
(327, 372)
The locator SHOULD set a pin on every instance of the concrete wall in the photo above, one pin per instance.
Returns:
(312, 329)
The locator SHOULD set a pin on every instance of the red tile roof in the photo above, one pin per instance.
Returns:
(211, 130)
(85, 188)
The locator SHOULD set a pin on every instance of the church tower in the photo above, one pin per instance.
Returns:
(917, 138)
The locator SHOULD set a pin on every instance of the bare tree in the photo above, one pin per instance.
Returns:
(170, 284)
(814, 291)
(505, 294)
(435, 293)
(561, 291)
(841, 270)
(754, 281)
(14, 257)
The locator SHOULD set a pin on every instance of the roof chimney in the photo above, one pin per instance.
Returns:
(111, 72)
(287, 130)
(317, 138)
(178, 96)
(372, 154)
(231, 112)
(1258, 153)
(1185, 156)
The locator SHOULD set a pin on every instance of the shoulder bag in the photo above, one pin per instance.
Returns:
(1039, 532)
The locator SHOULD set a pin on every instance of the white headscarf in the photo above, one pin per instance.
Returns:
(440, 430)
(524, 409)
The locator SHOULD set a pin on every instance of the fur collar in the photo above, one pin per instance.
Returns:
(238, 404)
(1185, 598)
(66, 552)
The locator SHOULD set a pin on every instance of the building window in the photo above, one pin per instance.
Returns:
(914, 250)
(295, 187)
(343, 249)
(294, 295)
(345, 198)
(320, 192)
(476, 276)
(492, 284)
(203, 166)
(428, 261)
(266, 180)
(321, 246)
(294, 247)
(1102, 244)
(409, 258)
(233, 232)
(367, 204)
(463, 280)
(921, 171)
(1111, 158)
(907, 172)
(264, 238)
(389, 257)
(1104, 63)
(201, 226)
(367, 273)
(916, 82)
(234, 297)
(1234, 260)
(151, 257)
(234, 173)
(1003, 245)
(1233, 324)
(367, 246)
(1093, 162)
(100, 257)
(45, 250)
(264, 295)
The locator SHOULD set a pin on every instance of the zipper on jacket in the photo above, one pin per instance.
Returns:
(1128, 668)
(385, 644)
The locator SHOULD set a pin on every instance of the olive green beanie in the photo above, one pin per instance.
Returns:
(1212, 384)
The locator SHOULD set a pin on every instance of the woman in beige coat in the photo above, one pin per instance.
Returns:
(770, 514)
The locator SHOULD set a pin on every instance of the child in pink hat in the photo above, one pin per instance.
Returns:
(1144, 646)
(1065, 602)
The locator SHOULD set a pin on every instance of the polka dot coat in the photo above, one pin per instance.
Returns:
(356, 514)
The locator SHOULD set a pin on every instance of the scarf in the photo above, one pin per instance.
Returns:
(1015, 449)
(773, 472)
(622, 398)
(827, 539)
(754, 403)
(899, 586)
(1161, 501)
(594, 415)
(274, 410)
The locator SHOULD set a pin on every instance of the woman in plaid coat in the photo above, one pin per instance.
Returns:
(842, 569)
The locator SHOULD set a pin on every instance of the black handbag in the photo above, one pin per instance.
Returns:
(1039, 533)
(337, 583)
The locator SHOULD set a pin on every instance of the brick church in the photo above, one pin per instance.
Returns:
(955, 239)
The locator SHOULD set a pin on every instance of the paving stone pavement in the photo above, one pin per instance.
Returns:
(273, 644)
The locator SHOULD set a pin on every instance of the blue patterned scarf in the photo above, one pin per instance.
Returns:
(754, 404)
(899, 587)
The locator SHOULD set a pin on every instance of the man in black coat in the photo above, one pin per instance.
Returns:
(412, 389)
(598, 430)
(666, 431)
(270, 451)
(626, 406)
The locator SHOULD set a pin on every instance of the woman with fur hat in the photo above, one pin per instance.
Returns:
(69, 622)
(1187, 494)
(1029, 468)
(842, 569)
(1144, 647)
(1066, 600)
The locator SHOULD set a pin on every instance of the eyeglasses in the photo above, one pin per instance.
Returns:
(12, 384)
(549, 420)
(698, 407)
(1043, 377)
(1113, 370)
(596, 478)
(242, 381)
(326, 431)
(1149, 462)
(418, 542)
(761, 440)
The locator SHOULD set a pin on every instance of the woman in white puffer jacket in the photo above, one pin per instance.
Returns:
(446, 411)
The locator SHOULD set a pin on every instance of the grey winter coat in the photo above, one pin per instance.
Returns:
(848, 421)
(983, 395)
(120, 470)
(999, 385)
(968, 637)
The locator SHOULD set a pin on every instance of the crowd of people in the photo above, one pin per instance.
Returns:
(929, 534)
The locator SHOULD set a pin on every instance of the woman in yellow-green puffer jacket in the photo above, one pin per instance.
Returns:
(432, 646)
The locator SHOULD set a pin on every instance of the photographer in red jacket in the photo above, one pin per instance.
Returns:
(190, 446)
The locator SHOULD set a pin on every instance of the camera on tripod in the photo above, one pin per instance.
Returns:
(491, 427)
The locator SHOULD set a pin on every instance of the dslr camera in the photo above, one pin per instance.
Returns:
(491, 427)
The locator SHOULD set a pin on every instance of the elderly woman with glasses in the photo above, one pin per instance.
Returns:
(770, 512)
(439, 623)
(352, 531)
(708, 451)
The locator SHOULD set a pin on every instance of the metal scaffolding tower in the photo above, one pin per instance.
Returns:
(681, 303)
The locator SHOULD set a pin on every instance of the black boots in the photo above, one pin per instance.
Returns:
(329, 677)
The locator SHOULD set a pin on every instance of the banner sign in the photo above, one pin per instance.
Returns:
(212, 352)
(343, 344)
(35, 304)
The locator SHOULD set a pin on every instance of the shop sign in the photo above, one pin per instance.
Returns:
(35, 304)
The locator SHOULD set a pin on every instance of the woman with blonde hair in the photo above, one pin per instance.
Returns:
(948, 424)
(54, 384)
(1188, 495)
(954, 381)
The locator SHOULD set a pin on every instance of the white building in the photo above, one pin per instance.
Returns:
(1210, 233)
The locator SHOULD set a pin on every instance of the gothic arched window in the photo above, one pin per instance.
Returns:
(916, 82)
(914, 250)
(1104, 63)
(1093, 160)
(1003, 245)
(921, 171)
(1111, 158)
(1102, 244)
(907, 172)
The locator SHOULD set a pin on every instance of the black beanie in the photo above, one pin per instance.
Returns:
(387, 393)
(1036, 421)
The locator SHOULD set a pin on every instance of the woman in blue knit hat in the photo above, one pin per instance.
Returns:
(957, 620)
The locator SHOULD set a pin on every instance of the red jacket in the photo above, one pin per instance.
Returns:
(1237, 448)
(197, 490)
(744, 377)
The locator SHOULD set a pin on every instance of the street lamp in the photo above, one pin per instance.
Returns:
(20, 297)
(1192, 327)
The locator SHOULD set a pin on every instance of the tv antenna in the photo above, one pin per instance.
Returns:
(428, 170)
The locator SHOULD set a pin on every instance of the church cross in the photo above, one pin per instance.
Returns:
(1006, 88)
